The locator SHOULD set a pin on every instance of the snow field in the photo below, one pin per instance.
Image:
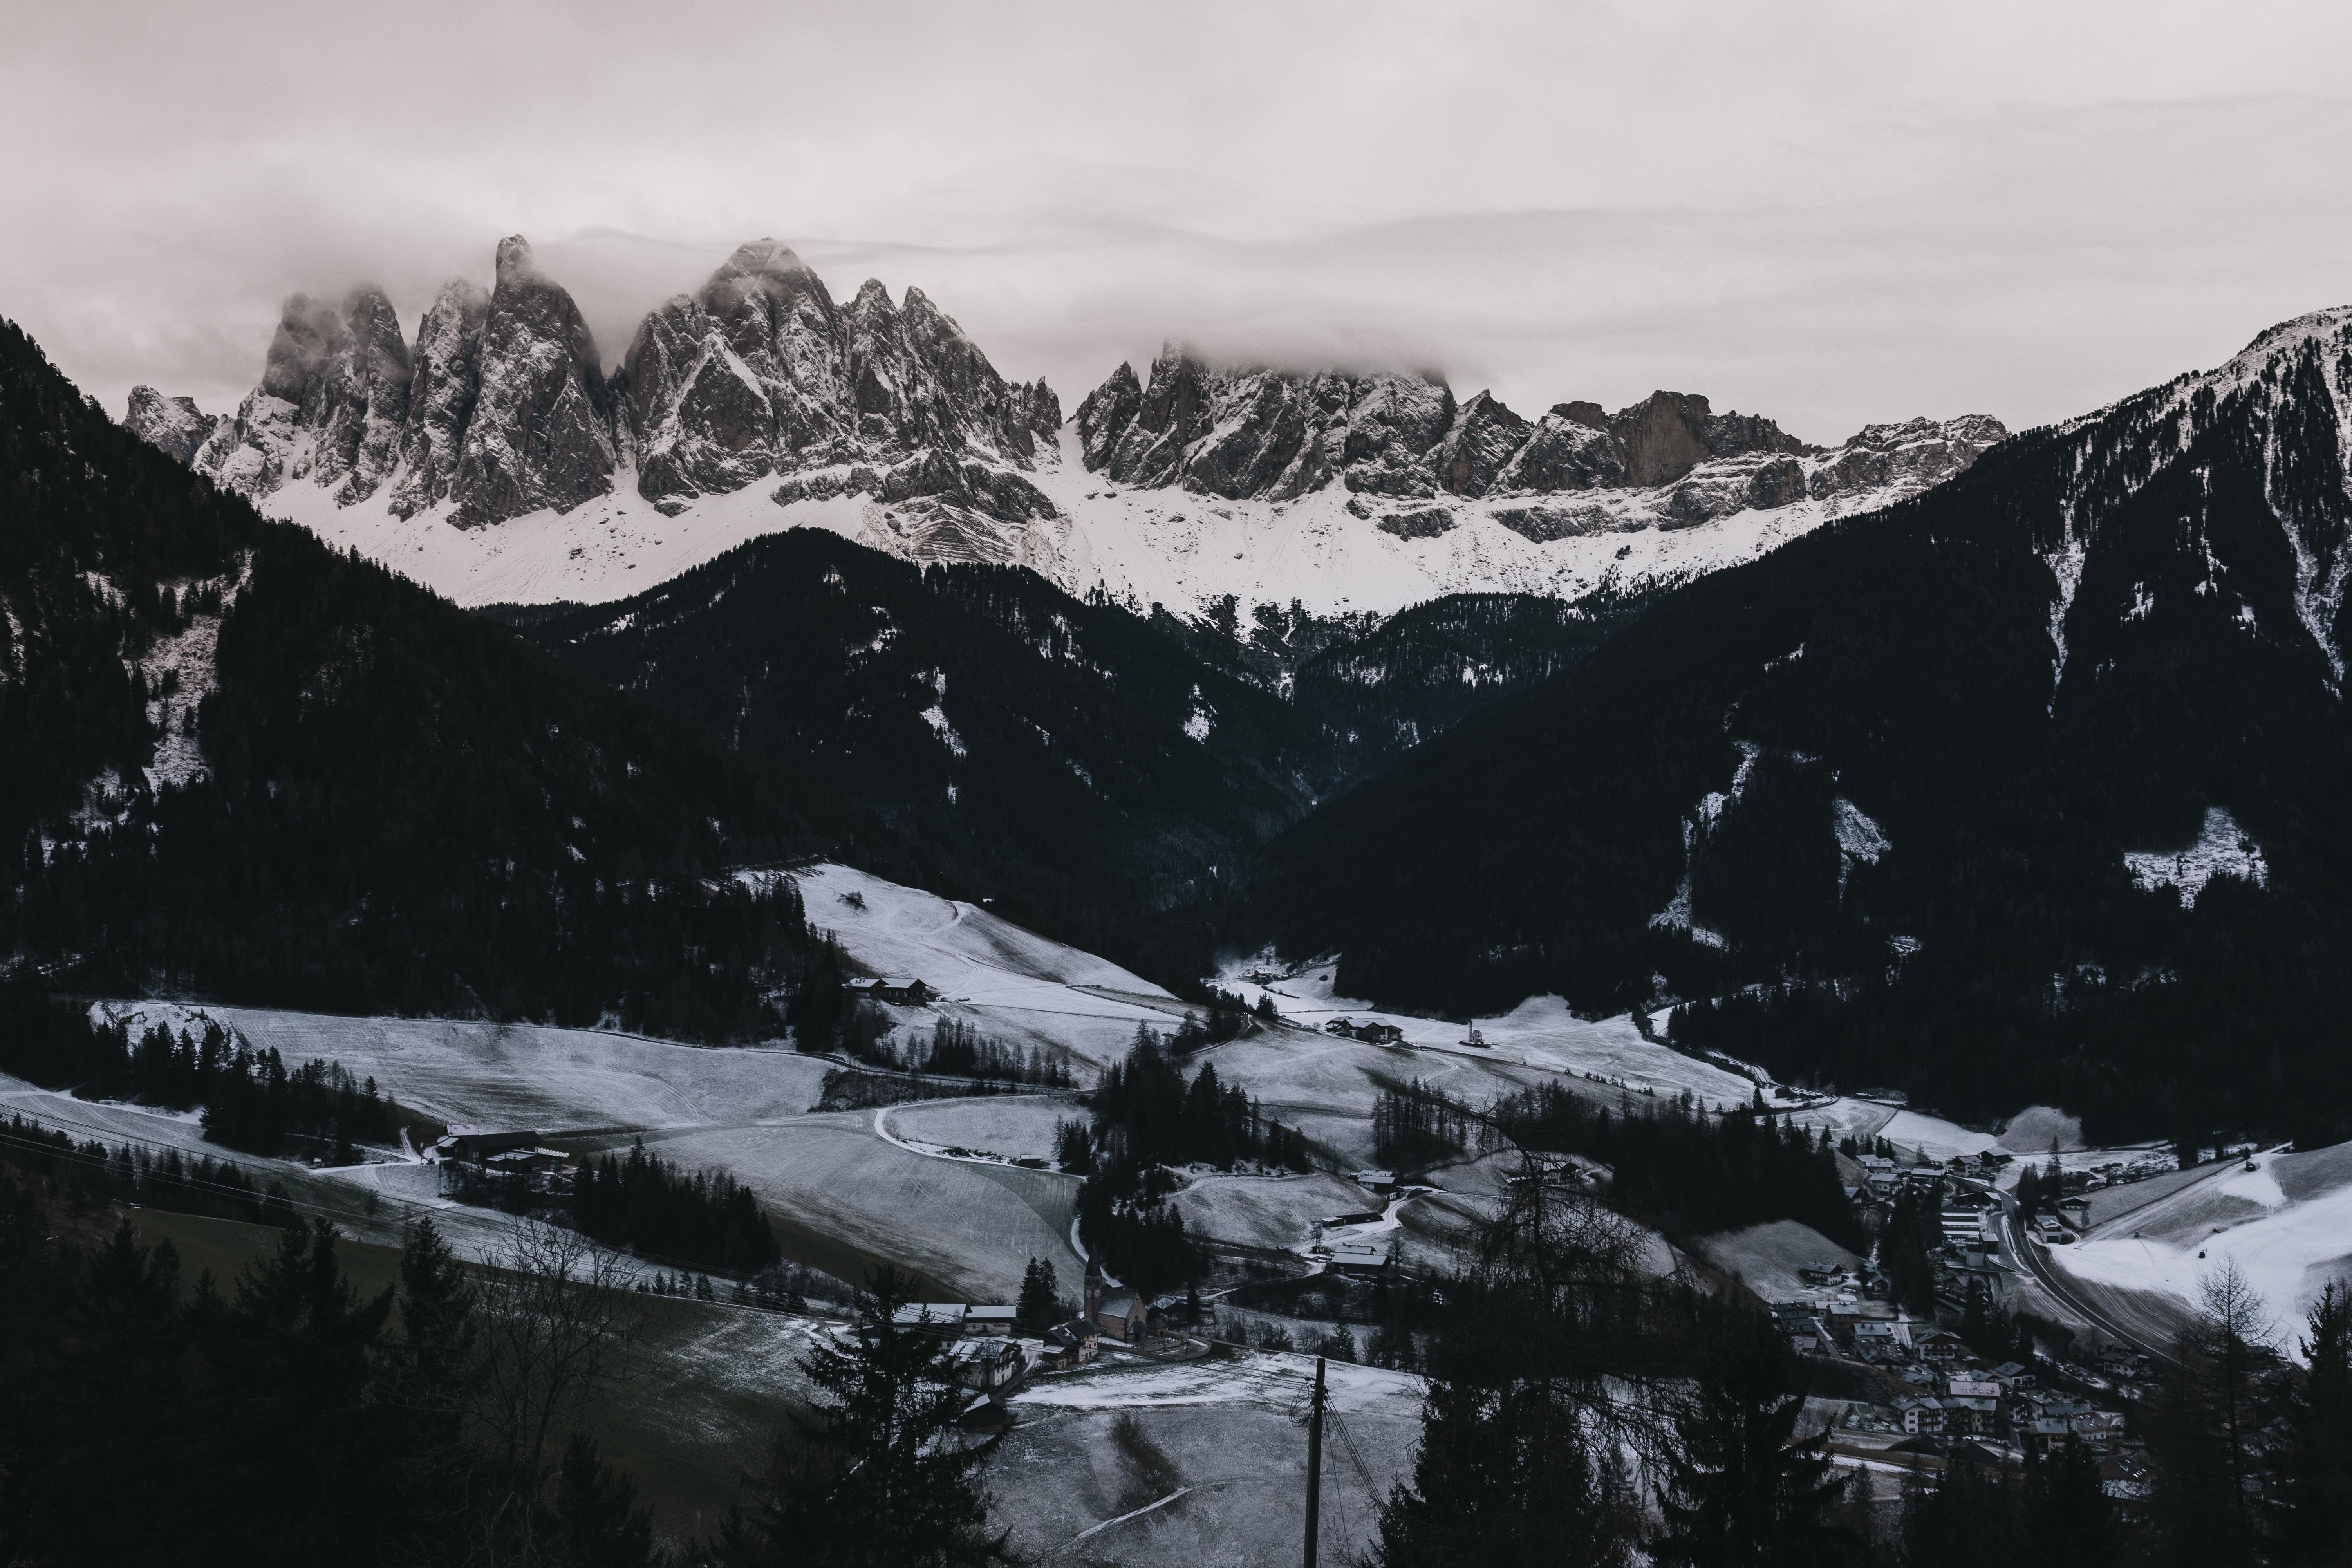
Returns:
(1766, 1258)
(1227, 1433)
(1275, 1212)
(1541, 1033)
(1009, 982)
(1156, 546)
(968, 1225)
(1010, 1126)
(524, 1076)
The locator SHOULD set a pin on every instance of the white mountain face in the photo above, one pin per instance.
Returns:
(498, 462)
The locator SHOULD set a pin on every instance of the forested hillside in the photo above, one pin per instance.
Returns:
(2030, 787)
(236, 763)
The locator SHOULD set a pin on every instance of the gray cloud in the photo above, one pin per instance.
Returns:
(1826, 212)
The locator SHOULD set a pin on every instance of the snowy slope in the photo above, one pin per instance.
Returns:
(2287, 1224)
(1150, 546)
(1007, 982)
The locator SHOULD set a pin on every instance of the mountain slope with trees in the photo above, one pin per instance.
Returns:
(234, 763)
(2027, 787)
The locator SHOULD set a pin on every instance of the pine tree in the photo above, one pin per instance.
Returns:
(867, 1480)
(1738, 1491)
(1505, 1476)
(596, 1521)
(2310, 1498)
(1039, 1306)
(2066, 1520)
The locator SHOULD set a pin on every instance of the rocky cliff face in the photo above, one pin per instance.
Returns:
(1273, 435)
(504, 407)
(173, 426)
(332, 404)
(540, 433)
(761, 373)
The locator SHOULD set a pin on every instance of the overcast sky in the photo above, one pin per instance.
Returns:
(1829, 213)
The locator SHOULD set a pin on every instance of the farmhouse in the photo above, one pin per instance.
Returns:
(986, 1365)
(899, 990)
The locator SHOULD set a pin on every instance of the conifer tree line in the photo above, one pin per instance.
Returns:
(1146, 1118)
(645, 1202)
(284, 1417)
(637, 1203)
(89, 1174)
(1678, 1167)
(251, 1099)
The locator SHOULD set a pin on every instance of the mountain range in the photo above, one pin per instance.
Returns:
(758, 402)
(2024, 783)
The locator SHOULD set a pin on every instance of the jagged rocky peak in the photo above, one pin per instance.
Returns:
(540, 433)
(441, 392)
(173, 426)
(503, 406)
(1256, 433)
(1263, 432)
(761, 373)
(331, 404)
(1668, 434)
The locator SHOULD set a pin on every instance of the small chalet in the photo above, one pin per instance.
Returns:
(2074, 1213)
(1382, 1182)
(475, 1144)
(986, 1365)
(1921, 1415)
(1380, 1034)
(1072, 1344)
(1361, 1261)
(989, 1320)
(531, 1161)
(1942, 1346)
(898, 991)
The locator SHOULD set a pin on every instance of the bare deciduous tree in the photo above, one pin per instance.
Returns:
(554, 1312)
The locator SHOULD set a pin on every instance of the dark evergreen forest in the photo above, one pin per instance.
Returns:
(403, 806)
(1989, 949)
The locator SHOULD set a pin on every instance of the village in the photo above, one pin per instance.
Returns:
(1898, 1391)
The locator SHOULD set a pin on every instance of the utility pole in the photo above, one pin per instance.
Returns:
(1314, 1461)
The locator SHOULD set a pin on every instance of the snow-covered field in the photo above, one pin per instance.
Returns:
(1158, 546)
(1221, 1440)
(1010, 1126)
(1766, 1258)
(1008, 982)
(526, 1076)
(1277, 1212)
(2287, 1224)
(1538, 1033)
(402, 1191)
(969, 1224)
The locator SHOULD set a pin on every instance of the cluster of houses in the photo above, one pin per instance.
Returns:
(1370, 1034)
(1950, 1392)
(498, 1152)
